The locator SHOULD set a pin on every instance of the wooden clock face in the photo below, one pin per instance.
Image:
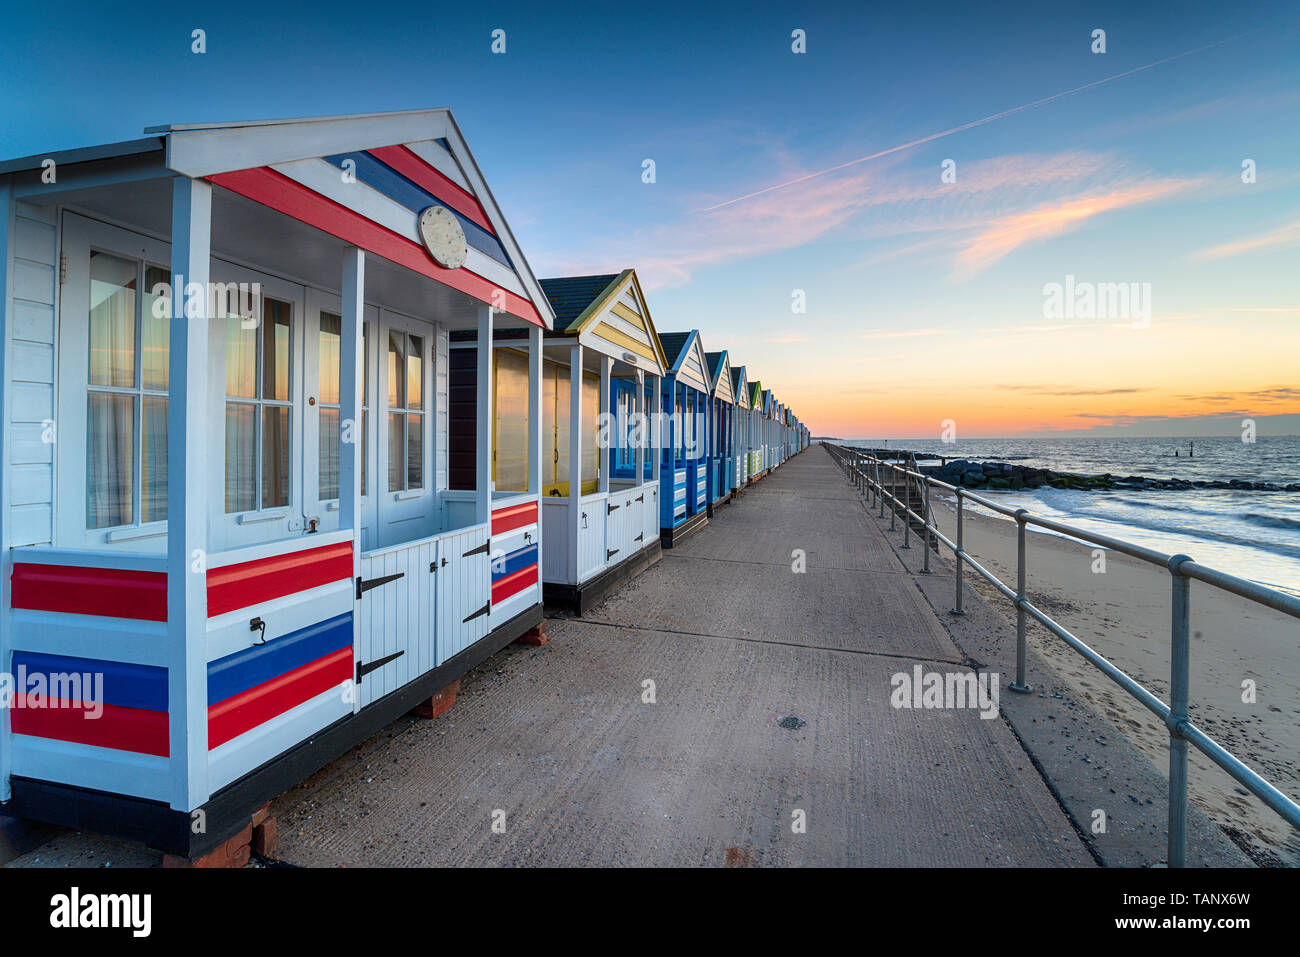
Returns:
(443, 237)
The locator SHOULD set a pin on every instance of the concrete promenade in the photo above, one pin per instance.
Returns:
(771, 707)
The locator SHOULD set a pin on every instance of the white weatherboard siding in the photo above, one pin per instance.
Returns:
(30, 334)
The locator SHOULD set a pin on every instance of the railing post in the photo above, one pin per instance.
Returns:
(925, 522)
(1179, 670)
(1021, 684)
(880, 484)
(907, 519)
(961, 524)
(893, 496)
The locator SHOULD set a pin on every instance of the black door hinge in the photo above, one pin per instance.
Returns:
(364, 585)
(482, 611)
(610, 553)
(480, 550)
(641, 497)
(609, 508)
(639, 537)
(365, 668)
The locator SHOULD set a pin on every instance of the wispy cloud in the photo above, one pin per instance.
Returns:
(1010, 233)
(991, 198)
(1282, 236)
(1067, 391)
(901, 334)
(992, 117)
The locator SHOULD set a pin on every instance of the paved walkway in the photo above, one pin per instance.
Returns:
(771, 704)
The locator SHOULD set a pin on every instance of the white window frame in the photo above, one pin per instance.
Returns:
(79, 236)
(255, 526)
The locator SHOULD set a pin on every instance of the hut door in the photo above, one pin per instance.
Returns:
(463, 586)
(403, 483)
(322, 423)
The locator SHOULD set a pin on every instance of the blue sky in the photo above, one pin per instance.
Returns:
(924, 299)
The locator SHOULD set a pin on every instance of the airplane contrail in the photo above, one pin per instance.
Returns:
(970, 125)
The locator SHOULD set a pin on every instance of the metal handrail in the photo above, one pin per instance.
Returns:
(1182, 570)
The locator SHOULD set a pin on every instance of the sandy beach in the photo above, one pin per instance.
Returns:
(1124, 614)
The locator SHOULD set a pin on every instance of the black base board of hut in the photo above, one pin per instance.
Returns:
(577, 599)
(669, 536)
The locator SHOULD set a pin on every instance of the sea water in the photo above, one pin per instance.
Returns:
(1253, 535)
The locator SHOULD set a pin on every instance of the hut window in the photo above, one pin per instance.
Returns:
(624, 409)
(330, 364)
(405, 411)
(590, 432)
(126, 402)
(258, 409)
(555, 430)
(510, 425)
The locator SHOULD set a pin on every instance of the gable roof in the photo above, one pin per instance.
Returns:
(573, 297)
(686, 361)
(396, 164)
(719, 364)
(609, 313)
(739, 386)
(674, 344)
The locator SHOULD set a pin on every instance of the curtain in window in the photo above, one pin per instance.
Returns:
(510, 428)
(590, 432)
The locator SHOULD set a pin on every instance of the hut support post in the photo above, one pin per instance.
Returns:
(188, 427)
(575, 458)
(638, 410)
(352, 359)
(604, 432)
(6, 562)
(483, 480)
(535, 410)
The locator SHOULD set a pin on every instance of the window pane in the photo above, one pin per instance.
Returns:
(415, 451)
(155, 331)
(241, 358)
(110, 455)
(275, 350)
(415, 374)
(241, 457)
(396, 366)
(562, 423)
(153, 460)
(510, 438)
(275, 456)
(396, 449)
(329, 453)
(550, 449)
(590, 433)
(329, 359)
(112, 321)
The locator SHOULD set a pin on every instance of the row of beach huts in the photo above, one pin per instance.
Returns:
(264, 490)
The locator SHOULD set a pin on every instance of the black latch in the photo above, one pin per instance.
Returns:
(364, 585)
(367, 667)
